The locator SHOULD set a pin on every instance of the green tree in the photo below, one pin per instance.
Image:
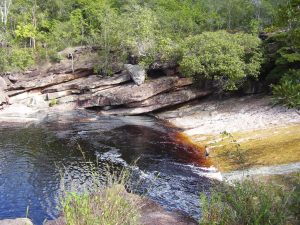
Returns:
(227, 58)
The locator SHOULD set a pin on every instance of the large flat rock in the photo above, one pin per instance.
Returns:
(128, 93)
(158, 102)
(213, 116)
(51, 79)
(91, 83)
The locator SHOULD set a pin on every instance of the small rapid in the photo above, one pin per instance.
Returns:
(34, 157)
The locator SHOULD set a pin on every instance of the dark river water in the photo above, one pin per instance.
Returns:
(35, 156)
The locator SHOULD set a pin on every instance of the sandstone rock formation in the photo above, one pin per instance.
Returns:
(72, 82)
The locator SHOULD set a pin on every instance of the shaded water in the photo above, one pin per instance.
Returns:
(33, 157)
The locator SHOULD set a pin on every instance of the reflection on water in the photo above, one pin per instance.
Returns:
(32, 159)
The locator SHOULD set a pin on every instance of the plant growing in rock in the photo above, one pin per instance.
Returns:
(234, 150)
(53, 102)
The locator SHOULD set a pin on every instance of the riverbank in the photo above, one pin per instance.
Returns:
(261, 133)
(241, 132)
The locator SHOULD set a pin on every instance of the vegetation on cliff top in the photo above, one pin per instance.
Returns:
(188, 33)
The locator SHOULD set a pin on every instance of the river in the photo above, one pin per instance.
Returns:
(34, 156)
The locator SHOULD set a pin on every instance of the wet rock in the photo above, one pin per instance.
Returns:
(21, 221)
(137, 73)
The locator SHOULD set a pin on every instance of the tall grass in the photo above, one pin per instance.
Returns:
(250, 202)
(108, 203)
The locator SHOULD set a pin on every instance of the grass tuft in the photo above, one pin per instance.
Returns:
(250, 202)
(108, 203)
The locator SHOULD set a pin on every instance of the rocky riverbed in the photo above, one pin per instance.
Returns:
(242, 132)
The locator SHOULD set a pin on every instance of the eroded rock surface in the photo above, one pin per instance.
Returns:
(213, 116)
(72, 82)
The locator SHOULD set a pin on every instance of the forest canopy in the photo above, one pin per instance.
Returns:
(179, 31)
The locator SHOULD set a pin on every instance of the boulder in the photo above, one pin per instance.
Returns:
(20, 221)
(137, 73)
(13, 77)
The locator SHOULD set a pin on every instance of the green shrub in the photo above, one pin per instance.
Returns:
(21, 59)
(249, 203)
(227, 58)
(15, 59)
(109, 206)
(107, 203)
(287, 92)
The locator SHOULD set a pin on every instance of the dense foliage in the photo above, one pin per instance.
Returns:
(221, 56)
(287, 91)
(214, 39)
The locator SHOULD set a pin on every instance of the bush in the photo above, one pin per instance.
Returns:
(108, 206)
(108, 203)
(227, 58)
(287, 92)
(249, 202)
(15, 59)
